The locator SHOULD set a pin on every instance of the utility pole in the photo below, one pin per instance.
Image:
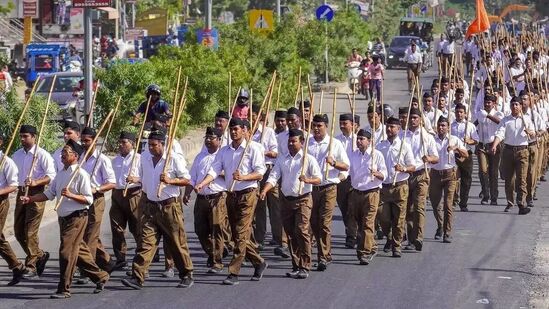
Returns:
(208, 14)
(278, 11)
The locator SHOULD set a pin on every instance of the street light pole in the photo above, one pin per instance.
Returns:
(278, 11)
(88, 61)
(208, 14)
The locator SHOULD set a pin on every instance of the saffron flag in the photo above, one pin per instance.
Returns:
(481, 23)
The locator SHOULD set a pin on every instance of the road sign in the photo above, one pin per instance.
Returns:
(261, 20)
(208, 38)
(90, 3)
(325, 12)
(30, 8)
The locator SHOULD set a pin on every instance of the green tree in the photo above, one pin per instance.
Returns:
(6, 9)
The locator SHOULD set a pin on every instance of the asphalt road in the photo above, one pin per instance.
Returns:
(493, 262)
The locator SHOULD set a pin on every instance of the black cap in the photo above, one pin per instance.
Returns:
(321, 118)
(393, 120)
(344, 117)
(246, 124)
(157, 135)
(427, 95)
(214, 131)
(515, 99)
(364, 133)
(89, 131)
(27, 128)
(222, 114)
(295, 132)
(444, 80)
(403, 110)
(73, 125)
(127, 135)
(236, 122)
(442, 119)
(75, 147)
(293, 111)
(281, 114)
(415, 111)
(306, 104)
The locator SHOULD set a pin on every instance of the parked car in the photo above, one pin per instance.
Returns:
(397, 49)
(70, 103)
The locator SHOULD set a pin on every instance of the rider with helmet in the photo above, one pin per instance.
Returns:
(157, 106)
(241, 109)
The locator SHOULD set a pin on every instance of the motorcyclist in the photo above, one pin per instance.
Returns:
(355, 56)
(156, 106)
(379, 49)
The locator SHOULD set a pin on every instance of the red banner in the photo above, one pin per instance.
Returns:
(30, 8)
(90, 3)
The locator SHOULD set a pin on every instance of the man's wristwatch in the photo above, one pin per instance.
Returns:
(97, 189)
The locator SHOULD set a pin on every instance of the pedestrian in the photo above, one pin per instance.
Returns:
(376, 71)
(73, 217)
(71, 130)
(414, 61)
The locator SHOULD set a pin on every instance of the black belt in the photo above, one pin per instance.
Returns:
(34, 189)
(367, 191)
(295, 198)
(318, 188)
(4, 197)
(515, 148)
(76, 214)
(165, 202)
(209, 197)
(131, 191)
(97, 195)
(245, 191)
(398, 183)
(533, 143)
(443, 172)
(418, 173)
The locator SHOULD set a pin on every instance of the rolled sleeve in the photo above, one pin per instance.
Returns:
(180, 166)
(258, 161)
(84, 188)
(50, 192)
(48, 165)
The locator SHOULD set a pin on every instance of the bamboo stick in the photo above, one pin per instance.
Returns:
(405, 129)
(331, 133)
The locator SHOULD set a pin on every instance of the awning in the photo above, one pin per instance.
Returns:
(112, 13)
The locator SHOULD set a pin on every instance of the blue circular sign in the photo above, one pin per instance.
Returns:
(325, 12)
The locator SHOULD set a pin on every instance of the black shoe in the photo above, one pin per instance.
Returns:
(419, 245)
(186, 282)
(438, 234)
(379, 234)
(542, 178)
(60, 295)
(509, 206)
(110, 267)
(120, 265)
(464, 209)
(29, 274)
(99, 287)
(350, 243)
(484, 202)
(210, 262)
(410, 247)
(231, 280)
(397, 254)
(524, 211)
(322, 266)
(41, 264)
(363, 260)
(258, 273)
(494, 202)
(480, 195)
(17, 276)
(132, 283)
(260, 246)
(282, 252)
(388, 246)
(447, 239)
(225, 252)
(302, 274)
(292, 274)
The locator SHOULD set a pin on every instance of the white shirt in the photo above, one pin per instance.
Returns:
(288, 169)
(8, 175)
(228, 158)
(458, 130)
(282, 142)
(511, 130)
(80, 185)
(448, 47)
(391, 155)
(379, 134)
(442, 149)
(103, 172)
(421, 146)
(537, 121)
(361, 166)
(320, 150)
(414, 58)
(199, 170)
(44, 164)
(150, 176)
(269, 142)
(486, 128)
(121, 167)
(348, 142)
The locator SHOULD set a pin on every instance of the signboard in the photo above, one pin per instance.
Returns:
(261, 20)
(208, 38)
(30, 8)
(90, 3)
(324, 12)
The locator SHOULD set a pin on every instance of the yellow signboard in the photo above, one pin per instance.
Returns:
(27, 30)
(261, 20)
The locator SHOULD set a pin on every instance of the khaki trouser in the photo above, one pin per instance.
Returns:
(443, 183)
(296, 216)
(515, 169)
(545, 160)
(393, 214)
(241, 208)
(93, 230)
(124, 213)
(209, 214)
(418, 185)
(27, 219)
(413, 74)
(488, 164)
(343, 193)
(532, 174)
(167, 220)
(5, 249)
(364, 205)
(324, 202)
(73, 252)
(465, 178)
(542, 155)
(272, 203)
